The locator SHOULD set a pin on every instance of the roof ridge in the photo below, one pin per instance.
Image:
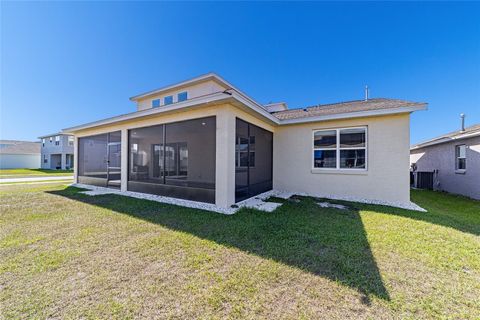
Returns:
(319, 106)
(470, 129)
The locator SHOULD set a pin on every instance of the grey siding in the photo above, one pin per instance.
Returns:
(441, 157)
(57, 155)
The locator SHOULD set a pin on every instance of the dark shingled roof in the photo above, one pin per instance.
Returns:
(19, 147)
(345, 107)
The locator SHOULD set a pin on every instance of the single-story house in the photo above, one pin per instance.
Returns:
(16, 154)
(205, 140)
(453, 159)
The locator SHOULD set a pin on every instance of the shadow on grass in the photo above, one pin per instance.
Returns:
(326, 242)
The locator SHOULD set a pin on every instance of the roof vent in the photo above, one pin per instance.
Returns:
(462, 117)
(366, 93)
(275, 107)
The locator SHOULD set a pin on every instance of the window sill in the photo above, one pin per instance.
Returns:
(340, 171)
(460, 171)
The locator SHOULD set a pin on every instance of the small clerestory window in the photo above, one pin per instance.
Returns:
(168, 100)
(182, 96)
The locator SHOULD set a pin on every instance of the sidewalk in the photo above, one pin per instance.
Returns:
(33, 179)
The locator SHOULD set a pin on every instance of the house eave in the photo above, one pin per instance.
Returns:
(234, 95)
(53, 134)
(359, 114)
(216, 97)
(445, 140)
(173, 86)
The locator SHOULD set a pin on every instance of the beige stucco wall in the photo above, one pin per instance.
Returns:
(193, 91)
(386, 178)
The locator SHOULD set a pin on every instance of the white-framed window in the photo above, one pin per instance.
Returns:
(57, 140)
(43, 142)
(51, 139)
(155, 103)
(461, 157)
(182, 96)
(168, 100)
(70, 140)
(342, 148)
(45, 158)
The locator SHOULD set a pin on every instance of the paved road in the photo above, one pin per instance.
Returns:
(33, 179)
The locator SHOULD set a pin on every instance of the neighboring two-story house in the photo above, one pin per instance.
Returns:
(57, 151)
(205, 140)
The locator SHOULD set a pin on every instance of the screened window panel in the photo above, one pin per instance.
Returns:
(260, 160)
(190, 153)
(184, 157)
(92, 156)
(145, 154)
(253, 148)
(115, 136)
(241, 150)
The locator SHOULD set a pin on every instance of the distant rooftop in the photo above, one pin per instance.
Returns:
(54, 134)
(19, 147)
(469, 132)
(374, 104)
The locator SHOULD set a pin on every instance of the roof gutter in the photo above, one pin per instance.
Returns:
(216, 97)
(52, 135)
(240, 97)
(445, 140)
(370, 113)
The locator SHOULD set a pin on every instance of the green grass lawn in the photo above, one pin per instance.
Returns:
(68, 255)
(20, 173)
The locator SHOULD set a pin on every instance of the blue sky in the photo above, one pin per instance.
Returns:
(64, 64)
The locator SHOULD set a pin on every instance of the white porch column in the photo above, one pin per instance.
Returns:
(75, 160)
(63, 161)
(225, 159)
(124, 161)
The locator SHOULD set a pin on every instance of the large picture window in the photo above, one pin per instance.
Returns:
(340, 148)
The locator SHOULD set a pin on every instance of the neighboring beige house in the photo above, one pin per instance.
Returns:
(454, 159)
(205, 140)
(16, 154)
